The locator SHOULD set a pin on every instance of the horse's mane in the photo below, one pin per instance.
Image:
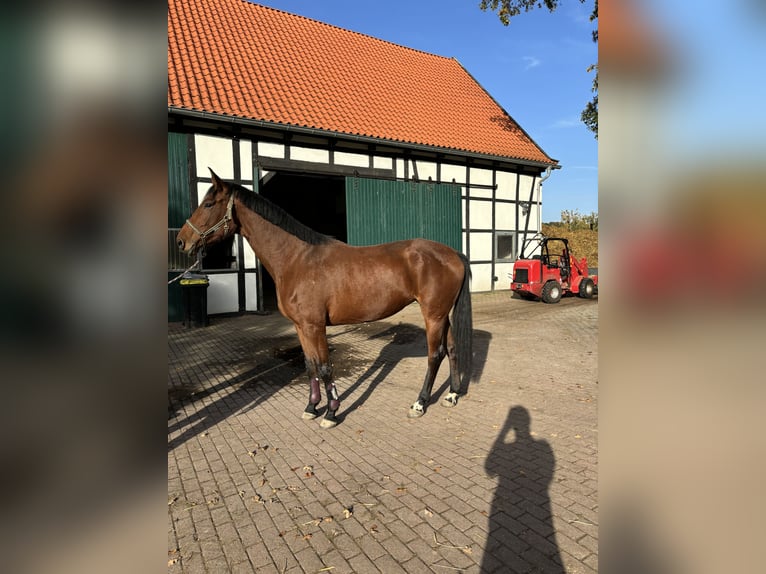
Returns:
(272, 213)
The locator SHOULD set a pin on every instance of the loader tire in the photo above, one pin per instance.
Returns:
(551, 292)
(587, 288)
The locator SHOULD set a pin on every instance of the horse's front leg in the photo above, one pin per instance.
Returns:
(317, 353)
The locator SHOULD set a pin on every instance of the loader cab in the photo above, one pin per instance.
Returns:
(555, 258)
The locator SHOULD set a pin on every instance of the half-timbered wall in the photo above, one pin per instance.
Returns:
(500, 201)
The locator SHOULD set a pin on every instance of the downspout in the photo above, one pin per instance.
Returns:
(539, 211)
(548, 171)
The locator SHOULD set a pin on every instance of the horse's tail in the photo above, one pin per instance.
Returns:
(462, 327)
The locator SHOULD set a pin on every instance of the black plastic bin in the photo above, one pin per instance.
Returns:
(194, 291)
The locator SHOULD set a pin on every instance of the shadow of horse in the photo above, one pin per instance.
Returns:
(409, 341)
(240, 393)
(247, 390)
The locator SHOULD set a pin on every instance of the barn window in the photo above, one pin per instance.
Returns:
(505, 246)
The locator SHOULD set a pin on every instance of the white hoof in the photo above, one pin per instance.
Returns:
(416, 410)
(450, 400)
(327, 424)
(308, 416)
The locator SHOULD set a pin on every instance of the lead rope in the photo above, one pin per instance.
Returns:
(177, 277)
(203, 234)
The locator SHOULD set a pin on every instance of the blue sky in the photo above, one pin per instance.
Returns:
(535, 68)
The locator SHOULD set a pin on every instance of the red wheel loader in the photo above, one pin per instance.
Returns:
(551, 271)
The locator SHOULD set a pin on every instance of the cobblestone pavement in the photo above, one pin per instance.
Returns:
(504, 482)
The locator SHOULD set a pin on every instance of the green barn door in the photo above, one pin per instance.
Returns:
(379, 211)
(179, 208)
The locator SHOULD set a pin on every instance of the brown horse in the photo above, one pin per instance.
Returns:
(321, 281)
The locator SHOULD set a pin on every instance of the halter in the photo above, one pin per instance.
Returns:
(222, 223)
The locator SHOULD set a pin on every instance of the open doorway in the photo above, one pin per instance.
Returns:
(318, 201)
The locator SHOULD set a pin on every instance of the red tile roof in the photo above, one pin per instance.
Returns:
(240, 59)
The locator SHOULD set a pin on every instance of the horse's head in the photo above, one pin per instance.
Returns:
(211, 221)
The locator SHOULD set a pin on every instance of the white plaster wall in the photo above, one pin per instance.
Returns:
(222, 294)
(251, 292)
(267, 149)
(506, 185)
(353, 159)
(534, 214)
(425, 169)
(485, 192)
(451, 171)
(310, 154)
(215, 153)
(525, 186)
(481, 176)
(501, 272)
(505, 216)
(247, 254)
(246, 159)
(481, 246)
(399, 167)
(481, 279)
(481, 215)
(202, 189)
(382, 162)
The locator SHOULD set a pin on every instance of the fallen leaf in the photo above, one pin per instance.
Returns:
(374, 529)
(348, 512)
(172, 561)
(328, 518)
(578, 436)
(172, 500)
(252, 453)
(401, 489)
(428, 512)
(307, 536)
(263, 481)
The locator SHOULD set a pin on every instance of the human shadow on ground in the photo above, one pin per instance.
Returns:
(521, 533)
(406, 341)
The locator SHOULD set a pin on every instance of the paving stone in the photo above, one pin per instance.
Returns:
(516, 503)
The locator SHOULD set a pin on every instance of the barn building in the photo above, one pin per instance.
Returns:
(358, 138)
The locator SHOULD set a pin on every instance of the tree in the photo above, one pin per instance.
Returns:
(506, 9)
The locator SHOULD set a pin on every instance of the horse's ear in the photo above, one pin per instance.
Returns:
(217, 183)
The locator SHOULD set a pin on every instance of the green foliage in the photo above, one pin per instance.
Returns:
(574, 220)
(506, 9)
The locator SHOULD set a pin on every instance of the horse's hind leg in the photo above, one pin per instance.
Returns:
(436, 335)
(450, 400)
